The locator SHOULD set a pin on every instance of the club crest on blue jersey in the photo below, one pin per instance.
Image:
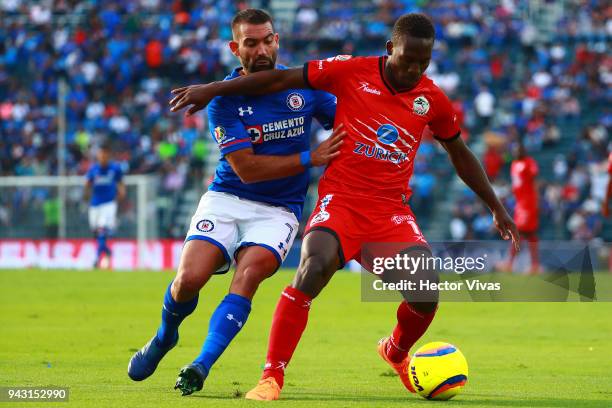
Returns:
(387, 134)
(220, 134)
(295, 101)
(205, 225)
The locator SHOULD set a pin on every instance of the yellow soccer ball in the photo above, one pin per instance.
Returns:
(438, 371)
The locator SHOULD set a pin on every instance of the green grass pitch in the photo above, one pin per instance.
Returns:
(79, 329)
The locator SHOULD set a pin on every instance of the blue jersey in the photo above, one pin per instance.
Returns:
(275, 124)
(104, 182)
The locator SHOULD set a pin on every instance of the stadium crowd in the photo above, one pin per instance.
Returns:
(507, 76)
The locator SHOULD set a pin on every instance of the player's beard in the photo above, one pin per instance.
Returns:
(258, 64)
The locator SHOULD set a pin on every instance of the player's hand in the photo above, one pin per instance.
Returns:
(329, 148)
(506, 227)
(196, 96)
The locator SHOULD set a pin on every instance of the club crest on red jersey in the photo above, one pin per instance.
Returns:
(420, 106)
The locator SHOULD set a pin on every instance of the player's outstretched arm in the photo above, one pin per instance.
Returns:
(471, 172)
(258, 83)
(253, 168)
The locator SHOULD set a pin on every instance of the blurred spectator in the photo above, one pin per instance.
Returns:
(506, 73)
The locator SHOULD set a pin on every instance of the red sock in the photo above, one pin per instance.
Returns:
(411, 325)
(288, 324)
(533, 251)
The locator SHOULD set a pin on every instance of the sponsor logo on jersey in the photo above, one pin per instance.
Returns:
(387, 134)
(104, 179)
(219, 134)
(295, 101)
(255, 133)
(281, 129)
(379, 153)
(242, 111)
(365, 87)
(400, 219)
(420, 106)
(205, 225)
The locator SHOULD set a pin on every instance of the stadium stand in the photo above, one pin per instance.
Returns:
(530, 72)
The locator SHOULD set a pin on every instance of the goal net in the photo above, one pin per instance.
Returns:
(44, 223)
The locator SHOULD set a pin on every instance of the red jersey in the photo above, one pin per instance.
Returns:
(384, 127)
(610, 164)
(523, 173)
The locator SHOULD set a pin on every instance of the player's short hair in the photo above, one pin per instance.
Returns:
(251, 16)
(105, 145)
(415, 24)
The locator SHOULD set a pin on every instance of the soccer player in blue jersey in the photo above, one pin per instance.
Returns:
(249, 216)
(103, 187)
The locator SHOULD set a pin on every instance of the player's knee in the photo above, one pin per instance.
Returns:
(188, 281)
(254, 273)
(313, 274)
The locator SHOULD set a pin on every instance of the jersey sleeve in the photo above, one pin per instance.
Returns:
(325, 110)
(328, 73)
(226, 128)
(444, 125)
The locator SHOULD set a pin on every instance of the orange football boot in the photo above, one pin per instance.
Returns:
(400, 368)
(266, 390)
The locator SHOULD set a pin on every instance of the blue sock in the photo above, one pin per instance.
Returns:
(101, 238)
(173, 313)
(225, 323)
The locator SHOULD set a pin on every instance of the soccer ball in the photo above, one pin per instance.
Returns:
(438, 371)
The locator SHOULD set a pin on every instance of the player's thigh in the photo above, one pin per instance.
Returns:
(319, 261)
(199, 261)
(253, 265)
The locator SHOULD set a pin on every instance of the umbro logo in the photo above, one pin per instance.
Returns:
(242, 111)
(365, 86)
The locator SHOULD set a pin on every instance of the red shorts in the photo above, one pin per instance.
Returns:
(526, 218)
(355, 221)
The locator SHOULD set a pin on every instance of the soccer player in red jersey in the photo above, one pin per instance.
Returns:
(523, 172)
(384, 104)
